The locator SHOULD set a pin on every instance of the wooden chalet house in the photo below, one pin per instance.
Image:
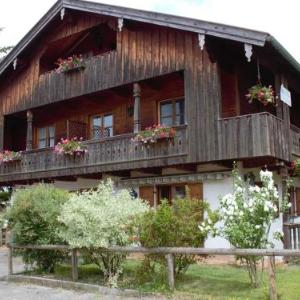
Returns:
(139, 69)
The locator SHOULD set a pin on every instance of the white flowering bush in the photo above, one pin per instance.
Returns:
(248, 213)
(98, 219)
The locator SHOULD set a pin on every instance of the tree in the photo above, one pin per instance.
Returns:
(95, 220)
(248, 213)
(6, 49)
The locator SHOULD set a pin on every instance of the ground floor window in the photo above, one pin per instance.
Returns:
(170, 192)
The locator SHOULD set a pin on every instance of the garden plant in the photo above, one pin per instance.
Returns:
(247, 215)
(95, 220)
(32, 219)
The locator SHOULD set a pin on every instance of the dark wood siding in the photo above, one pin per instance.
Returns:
(141, 54)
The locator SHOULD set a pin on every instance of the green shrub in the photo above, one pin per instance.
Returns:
(175, 225)
(33, 219)
(98, 219)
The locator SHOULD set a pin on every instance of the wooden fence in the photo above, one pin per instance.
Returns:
(169, 254)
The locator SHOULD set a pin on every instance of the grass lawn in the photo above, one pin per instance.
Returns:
(200, 282)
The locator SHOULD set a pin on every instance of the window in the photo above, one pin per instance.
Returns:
(171, 192)
(46, 137)
(172, 112)
(102, 126)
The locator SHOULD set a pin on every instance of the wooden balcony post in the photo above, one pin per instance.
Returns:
(137, 107)
(29, 130)
(1, 132)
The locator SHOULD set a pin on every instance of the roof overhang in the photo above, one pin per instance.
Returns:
(248, 36)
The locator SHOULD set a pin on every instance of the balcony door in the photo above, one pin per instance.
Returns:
(101, 126)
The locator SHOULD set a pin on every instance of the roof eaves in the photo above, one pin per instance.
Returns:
(285, 54)
(209, 28)
(204, 27)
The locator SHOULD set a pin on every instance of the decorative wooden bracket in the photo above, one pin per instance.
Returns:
(62, 13)
(248, 51)
(201, 39)
(15, 63)
(120, 24)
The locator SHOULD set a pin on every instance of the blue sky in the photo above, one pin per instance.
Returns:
(280, 18)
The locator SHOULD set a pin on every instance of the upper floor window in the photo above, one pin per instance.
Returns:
(172, 112)
(46, 136)
(102, 126)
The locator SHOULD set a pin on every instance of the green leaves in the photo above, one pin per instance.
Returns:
(174, 225)
(33, 220)
(99, 219)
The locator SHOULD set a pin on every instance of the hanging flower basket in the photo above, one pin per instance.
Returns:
(72, 63)
(152, 135)
(263, 94)
(72, 147)
(9, 156)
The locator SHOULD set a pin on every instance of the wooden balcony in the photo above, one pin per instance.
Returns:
(254, 135)
(295, 140)
(107, 155)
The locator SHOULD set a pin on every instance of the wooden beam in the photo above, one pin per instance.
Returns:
(29, 139)
(137, 107)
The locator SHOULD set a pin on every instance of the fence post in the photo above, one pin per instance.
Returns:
(10, 260)
(170, 263)
(74, 259)
(272, 278)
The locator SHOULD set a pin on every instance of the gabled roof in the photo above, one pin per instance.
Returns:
(253, 37)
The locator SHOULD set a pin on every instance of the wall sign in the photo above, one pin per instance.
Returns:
(285, 95)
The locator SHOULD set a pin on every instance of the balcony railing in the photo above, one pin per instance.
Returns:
(110, 154)
(254, 135)
(295, 140)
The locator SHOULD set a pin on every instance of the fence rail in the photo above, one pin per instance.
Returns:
(169, 254)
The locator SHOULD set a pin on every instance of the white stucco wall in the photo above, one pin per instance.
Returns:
(212, 191)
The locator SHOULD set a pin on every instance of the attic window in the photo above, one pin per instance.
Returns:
(91, 42)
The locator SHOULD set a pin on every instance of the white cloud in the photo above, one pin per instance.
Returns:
(279, 18)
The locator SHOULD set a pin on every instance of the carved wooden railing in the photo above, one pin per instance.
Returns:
(110, 154)
(295, 140)
(252, 135)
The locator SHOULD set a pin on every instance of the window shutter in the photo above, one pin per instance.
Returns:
(229, 93)
(147, 194)
(60, 130)
(196, 190)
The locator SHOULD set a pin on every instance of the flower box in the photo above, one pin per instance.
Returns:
(153, 134)
(263, 94)
(72, 63)
(72, 147)
(9, 156)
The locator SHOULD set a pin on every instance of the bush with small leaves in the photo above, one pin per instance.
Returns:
(175, 225)
(95, 220)
(32, 219)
